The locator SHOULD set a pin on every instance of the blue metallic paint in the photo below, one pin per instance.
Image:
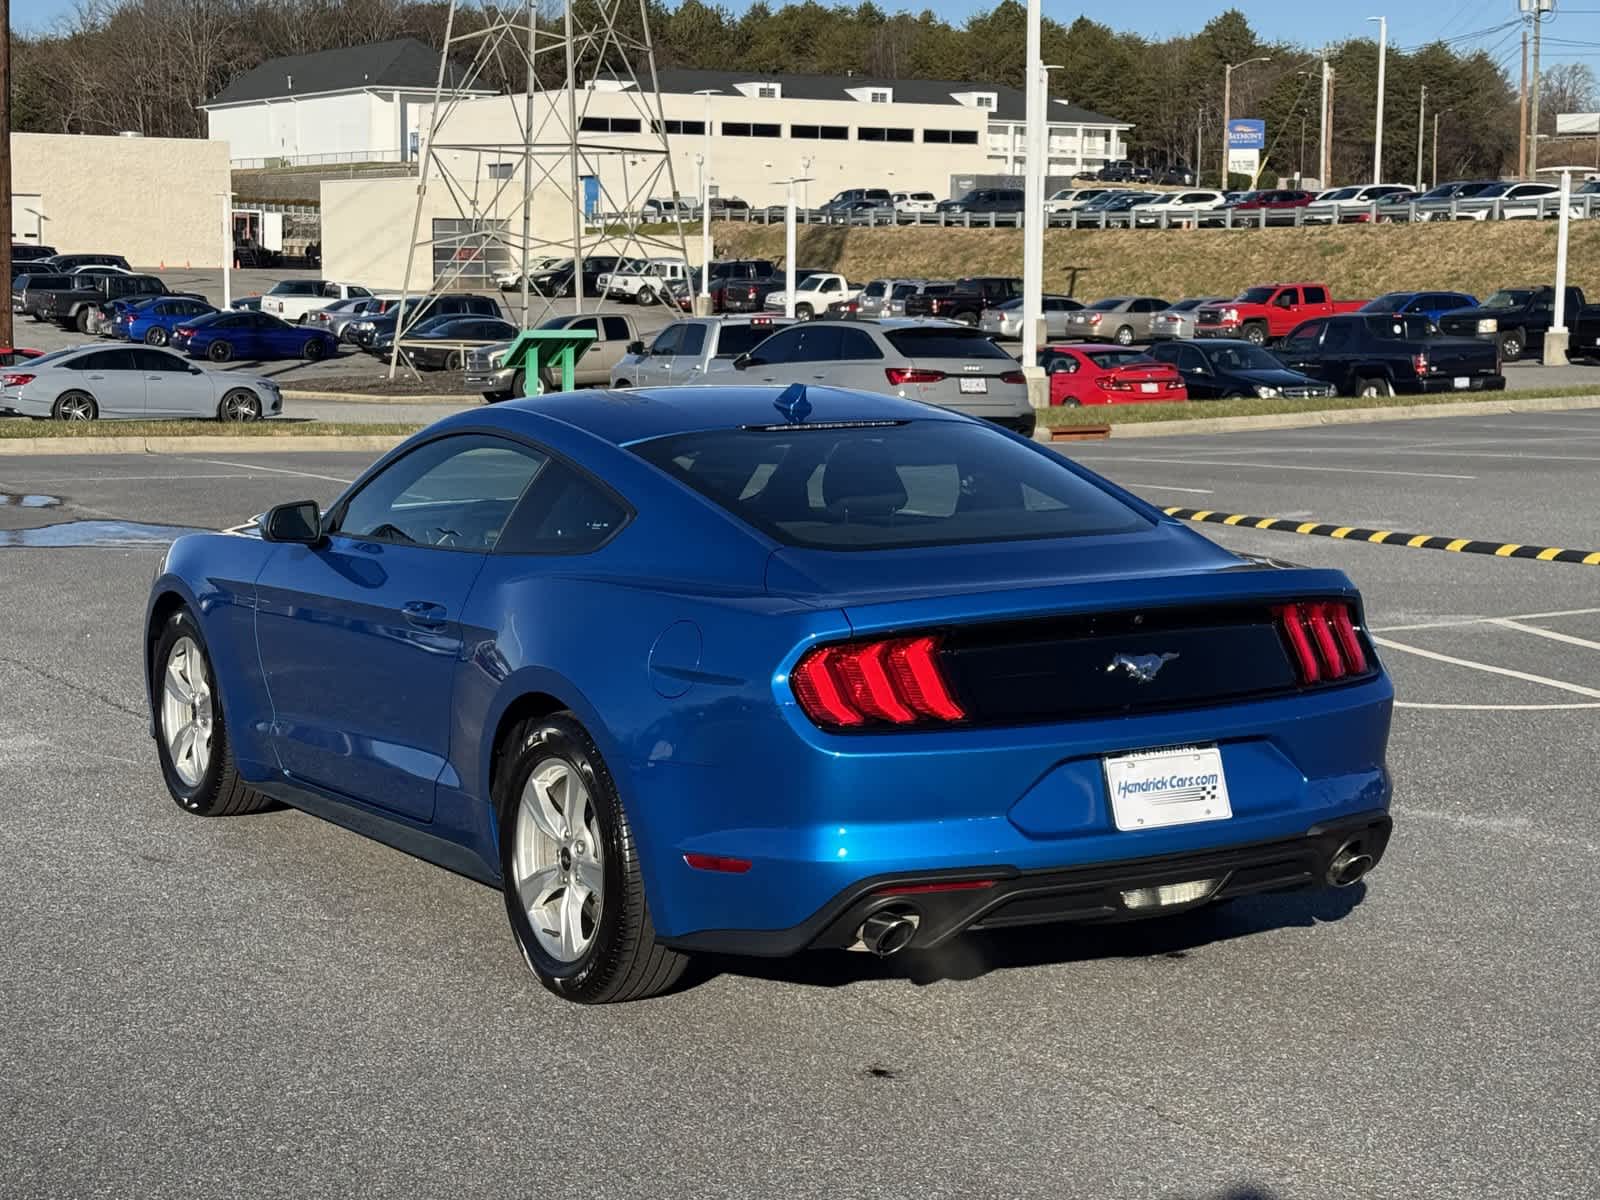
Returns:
(397, 727)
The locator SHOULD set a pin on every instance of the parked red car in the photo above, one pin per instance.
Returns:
(1090, 373)
(1272, 198)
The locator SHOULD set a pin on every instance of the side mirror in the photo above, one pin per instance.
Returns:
(298, 521)
(635, 347)
(743, 361)
(196, 371)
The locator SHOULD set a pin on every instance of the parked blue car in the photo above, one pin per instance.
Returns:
(1429, 304)
(153, 321)
(735, 670)
(223, 336)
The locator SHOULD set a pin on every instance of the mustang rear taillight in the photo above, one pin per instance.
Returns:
(899, 375)
(1322, 636)
(895, 681)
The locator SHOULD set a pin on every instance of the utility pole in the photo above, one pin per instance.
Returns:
(1033, 216)
(1435, 149)
(1199, 144)
(5, 166)
(1227, 108)
(1533, 91)
(1422, 124)
(1322, 126)
(1522, 111)
(1377, 135)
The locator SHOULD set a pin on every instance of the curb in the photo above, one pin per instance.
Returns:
(1346, 416)
(367, 398)
(201, 444)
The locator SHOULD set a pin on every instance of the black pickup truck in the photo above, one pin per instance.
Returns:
(76, 307)
(967, 301)
(1386, 354)
(1516, 318)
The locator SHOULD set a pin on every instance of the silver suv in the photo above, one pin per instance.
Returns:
(685, 351)
(938, 362)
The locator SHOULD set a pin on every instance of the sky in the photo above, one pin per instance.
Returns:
(1411, 22)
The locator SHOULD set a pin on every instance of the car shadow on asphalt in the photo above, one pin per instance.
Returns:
(974, 955)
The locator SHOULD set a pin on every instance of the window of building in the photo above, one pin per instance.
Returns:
(680, 128)
(501, 170)
(951, 137)
(984, 101)
(749, 129)
(877, 97)
(608, 124)
(870, 133)
(826, 133)
(768, 91)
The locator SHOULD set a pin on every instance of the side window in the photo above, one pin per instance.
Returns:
(1287, 298)
(666, 343)
(357, 291)
(856, 345)
(1191, 361)
(108, 360)
(455, 493)
(1166, 352)
(780, 347)
(693, 342)
(1307, 336)
(818, 343)
(1339, 335)
(1316, 295)
(1147, 306)
(331, 290)
(158, 360)
(564, 512)
(616, 329)
(589, 323)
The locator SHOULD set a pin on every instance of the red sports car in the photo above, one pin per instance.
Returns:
(1086, 373)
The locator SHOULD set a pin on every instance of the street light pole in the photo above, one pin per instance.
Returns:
(1322, 128)
(702, 303)
(1533, 91)
(1377, 137)
(1555, 339)
(1227, 109)
(789, 279)
(1033, 207)
(227, 249)
(1422, 123)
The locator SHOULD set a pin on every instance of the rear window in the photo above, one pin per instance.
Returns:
(934, 342)
(741, 339)
(913, 484)
(1109, 304)
(1107, 359)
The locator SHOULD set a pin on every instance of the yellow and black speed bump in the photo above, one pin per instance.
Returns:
(1389, 537)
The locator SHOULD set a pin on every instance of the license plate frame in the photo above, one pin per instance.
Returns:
(973, 387)
(1149, 389)
(1174, 785)
(1461, 382)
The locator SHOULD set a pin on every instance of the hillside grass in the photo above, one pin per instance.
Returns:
(1356, 261)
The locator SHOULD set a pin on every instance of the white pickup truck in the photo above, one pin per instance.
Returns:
(813, 293)
(293, 300)
(645, 281)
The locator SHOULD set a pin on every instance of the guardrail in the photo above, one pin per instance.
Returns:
(1581, 207)
(317, 160)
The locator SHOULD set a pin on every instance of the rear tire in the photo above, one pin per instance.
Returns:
(647, 297)
(75, 406)
(1124, 335)
(314, 350)
(519, 384)
(1511, 346)
(574, 887)
(155, 336)
(1372, 388)
(191, 736)
(82, 320)
(803, 312)
(220, 351)
(453, 361)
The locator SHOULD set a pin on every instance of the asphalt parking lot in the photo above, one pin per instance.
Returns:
(271, 1006)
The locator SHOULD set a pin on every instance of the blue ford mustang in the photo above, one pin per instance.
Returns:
(745, 671)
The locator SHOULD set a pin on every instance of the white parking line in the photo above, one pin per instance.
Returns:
(1494, 707)
(217, 462)
(1214, 462)
(1508, 623)
(1455, 622)
(54, 479)
(1167, 487)
(1575, 688)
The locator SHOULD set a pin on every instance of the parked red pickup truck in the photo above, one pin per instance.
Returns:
(1266, 313)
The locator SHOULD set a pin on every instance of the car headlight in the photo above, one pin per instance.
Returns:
(1230, 314)
(1266, 393)
(1488, 325)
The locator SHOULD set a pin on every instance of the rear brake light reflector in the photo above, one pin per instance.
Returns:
(1323, 640)
(717, 862)
(895, 681)
(923, 889)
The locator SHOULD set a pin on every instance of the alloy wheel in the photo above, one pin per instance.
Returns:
(186, 711)
(557, 862)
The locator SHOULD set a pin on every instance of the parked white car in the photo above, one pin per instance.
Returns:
(294, 300)
(913, 204)
(813, 293)
(644, 281)
(1067, 199)
(1176, 205)
(1330, 205)
(133, 383)
(1516, 200)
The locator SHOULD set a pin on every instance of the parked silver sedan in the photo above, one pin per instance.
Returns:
(1177, 319)
(1005, 320)
(132, 383)
(937, 362)
(1120, 319)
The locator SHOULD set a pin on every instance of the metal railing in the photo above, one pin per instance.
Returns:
(317, 160)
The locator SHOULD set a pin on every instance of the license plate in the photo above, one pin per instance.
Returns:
(1155, 788)
(1149, 387)
(1462, 383)
(974, 386)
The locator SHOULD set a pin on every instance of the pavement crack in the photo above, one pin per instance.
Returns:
(72, 685)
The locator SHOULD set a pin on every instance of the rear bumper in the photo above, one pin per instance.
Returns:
(1009, 898)
(1476, 383)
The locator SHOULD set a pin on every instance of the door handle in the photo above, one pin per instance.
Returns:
(424, 614)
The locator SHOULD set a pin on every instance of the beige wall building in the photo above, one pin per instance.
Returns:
(152, 200)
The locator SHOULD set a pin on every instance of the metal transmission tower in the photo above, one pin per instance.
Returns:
(528, 175)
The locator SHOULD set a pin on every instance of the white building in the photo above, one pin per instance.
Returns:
(359, 104)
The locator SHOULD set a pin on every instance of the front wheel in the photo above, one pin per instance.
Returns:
(155, 336)
(1256, 334)
(1511, 346)
(647, 297)
(803, 312)
(241, 404)
(454, 361)
(1125, 336)
(191, 736)
(574, 889)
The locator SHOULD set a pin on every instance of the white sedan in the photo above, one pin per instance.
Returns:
(1177, 205)
(132, 383)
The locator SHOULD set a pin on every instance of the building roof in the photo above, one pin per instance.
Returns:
(1010, 103)
(402, 63)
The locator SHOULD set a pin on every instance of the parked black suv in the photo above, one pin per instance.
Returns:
(1373, 354)
(985, 200)
(966, 301)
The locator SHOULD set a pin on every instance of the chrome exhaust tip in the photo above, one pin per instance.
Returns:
(1349, 864)
(888, 932)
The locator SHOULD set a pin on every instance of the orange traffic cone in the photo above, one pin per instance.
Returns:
(163, 265)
